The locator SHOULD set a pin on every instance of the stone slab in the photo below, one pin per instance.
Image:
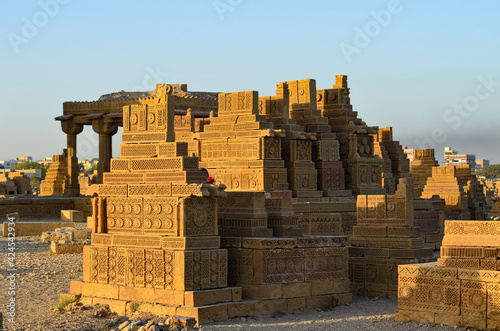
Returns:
(68, 247)
(71, 215)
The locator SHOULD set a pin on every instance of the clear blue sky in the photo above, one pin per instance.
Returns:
(408, 62)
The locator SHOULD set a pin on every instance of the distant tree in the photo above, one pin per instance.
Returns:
(35, 181)
(492, 171)
(32, 165)
(479, 172)
(90, 171)
(81, 168)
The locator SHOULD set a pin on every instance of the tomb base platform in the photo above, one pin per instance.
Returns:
(213, 305)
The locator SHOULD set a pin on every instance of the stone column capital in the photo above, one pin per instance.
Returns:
(102, 126)
(69, 127)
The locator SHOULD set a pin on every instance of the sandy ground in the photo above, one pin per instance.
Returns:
(42, 276)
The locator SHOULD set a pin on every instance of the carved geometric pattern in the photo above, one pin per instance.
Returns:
(238, 102)
(144, 137)
(124, 215)
(382, 209)
(241, 261)
(148, 268)
(189, 190)
(429, 294)
(427, 270)
(121, 266)
(103, 265)
(203, 269)
(189, 243)
(493, 296)
(169, 269)
(272, 148)
(164, 190)
(462, 252)
(112, 265)
(138, 150)
(329, 263)
(94, 264)
(281, 266)
(160, 216)
(174, 163)
(139, 267)
(113, 190)
(172, 149)
(144, 189)
(121, 178)
(120, 165)
(473, 298)
(200, 216)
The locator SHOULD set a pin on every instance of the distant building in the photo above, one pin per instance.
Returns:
(410, 153)
(482, 163)
(24, 159)
(45, 161)
(89, 163)
(452, 157)
(8, 164)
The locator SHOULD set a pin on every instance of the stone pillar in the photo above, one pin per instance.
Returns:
(71, 188)
(105, 130)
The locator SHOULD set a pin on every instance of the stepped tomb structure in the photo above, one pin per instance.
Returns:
(56, 177)
(421, 168)
(395, 162)
(461, 190)
(384, 237)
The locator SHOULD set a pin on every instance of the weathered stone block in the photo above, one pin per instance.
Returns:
(262, 292)
(68, 247)
(136, 294)
(319, 301)
(370, 231)
(322, 288)
(236, 294)
(169, 297)
(268, 307)
(451, 320)
(296, 304)
(206, 314)
(71, 216)
(296, 290)
(343, 298)
(75, 287)
(237, 309)
(403, 315)
(207, 297)
(387, 242)
(100, 290)
(404, 232)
